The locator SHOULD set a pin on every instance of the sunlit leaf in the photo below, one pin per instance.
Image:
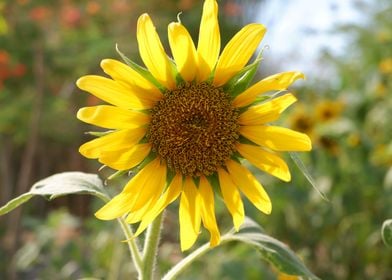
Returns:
(59, 185)
(12, 204)
(68, 183)
(272, 250)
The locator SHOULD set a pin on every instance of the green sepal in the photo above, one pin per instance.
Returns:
(150, 157)
(170, 176)
(177, 76)
(260, 99)
(214, 182)
(99, 133)
(241, 81)
(244, 140)
(141, 70)
(117, 174)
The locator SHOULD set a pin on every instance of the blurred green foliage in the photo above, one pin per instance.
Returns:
(45, 46)
(349, 120)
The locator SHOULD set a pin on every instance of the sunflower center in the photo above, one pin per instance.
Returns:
(194, 129)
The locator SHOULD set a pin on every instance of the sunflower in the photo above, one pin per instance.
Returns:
(184, 130)
(328, 110)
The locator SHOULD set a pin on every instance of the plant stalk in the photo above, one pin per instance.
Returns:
(150, 248)
(185, 262)
(133, 248)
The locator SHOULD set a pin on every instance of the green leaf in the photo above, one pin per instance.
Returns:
(272, 250)
(59, 185)
(386, 232)
(12, 204)
(141, 70)
(308, 176)
(69, 183)
(252, 234)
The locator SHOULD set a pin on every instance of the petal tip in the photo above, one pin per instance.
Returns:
(81, 82)
(286, 177)
(79, 114)
(102, 216)
(267, 208)
(105, 62)
(144, 17)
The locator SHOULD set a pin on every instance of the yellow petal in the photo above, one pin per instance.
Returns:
(116, 207)
(277, 138)
(189, 214)
(249, 186)
(114, 141)
(266, 112)
(266, 161)
(280, 81)
(208, 210)
(151, 188)
(171, 194)
(112, 117)
(126, 200)
(122, 72)
(149, 195)
(208, 47)
(232, 198)
(152, 52)
(113, 92)
(136, 216)
(237, 52)
(137, 182)
(126, 158)
(183, 51)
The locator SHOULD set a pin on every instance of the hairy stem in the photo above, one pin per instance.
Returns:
(151, 247)
(133, 248)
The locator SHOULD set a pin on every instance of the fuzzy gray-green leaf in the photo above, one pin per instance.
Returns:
(68, 183)
(271, 249)
(12, 204)
(59, 185)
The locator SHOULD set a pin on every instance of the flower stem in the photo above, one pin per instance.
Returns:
(150, 248)
(130, 239)
(184, 263)
(133, 248)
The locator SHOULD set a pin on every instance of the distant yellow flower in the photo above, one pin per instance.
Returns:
(302, 121)
(385, 66)
(382, 155)
(328, 110)
(381, 89)
(353, 139)
(185, 132)
(328, 144)
(384, 36)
